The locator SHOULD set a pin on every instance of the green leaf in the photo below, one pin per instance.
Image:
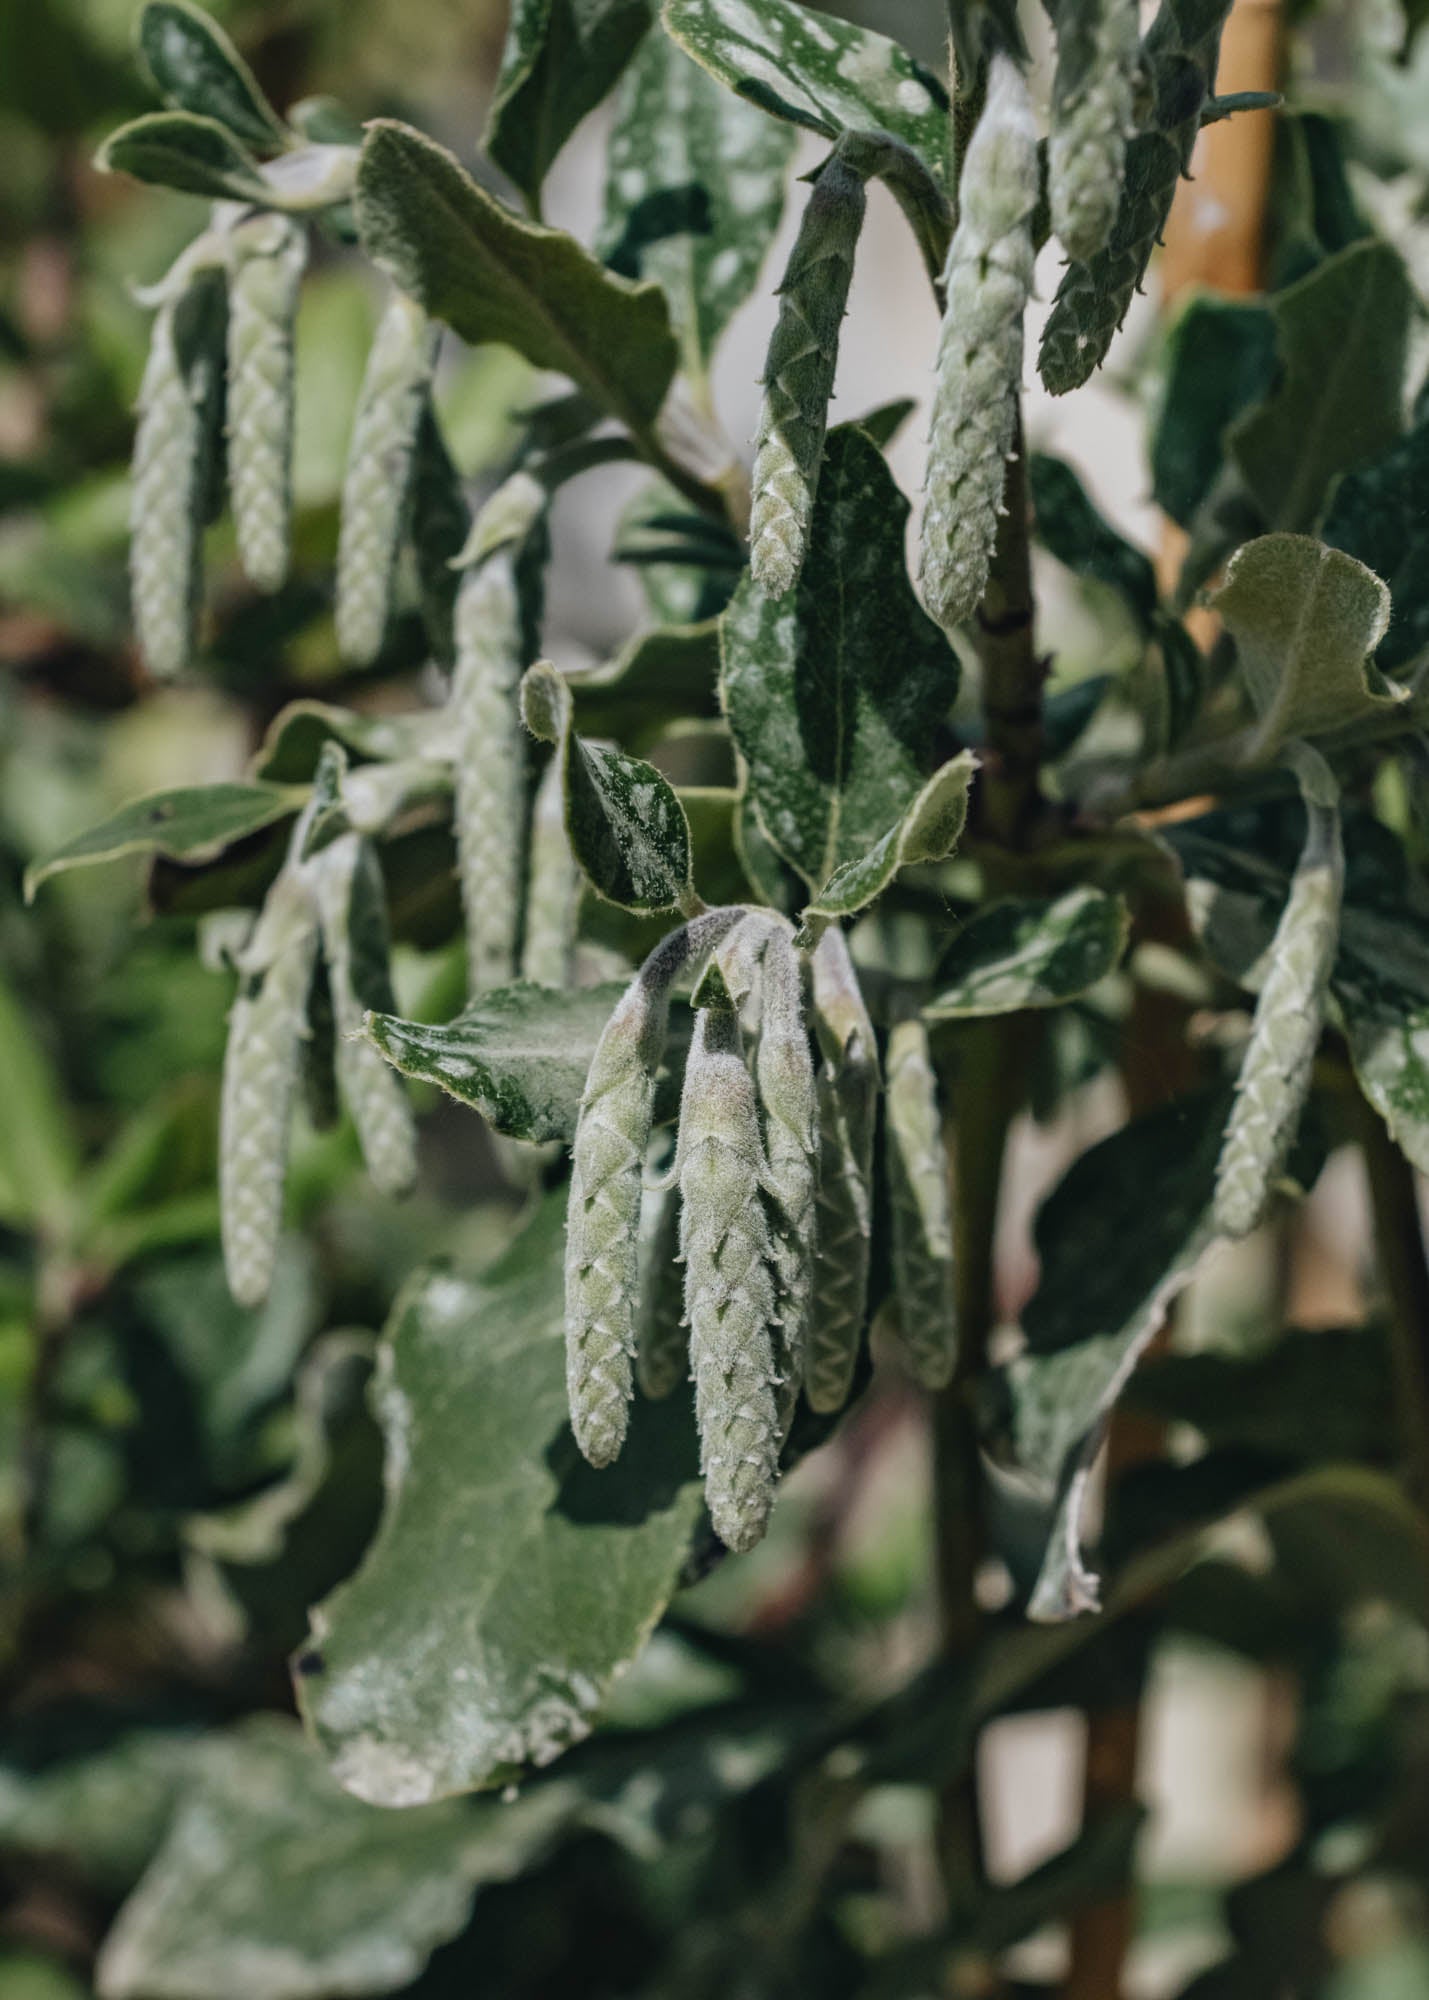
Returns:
(560, 59)
(1381, 516)
(196, 68)
(815, 70)
(430, 1678)
(1341, 333)
(518, 1055)
(1305, 620)
(174, 149)
(39, 1160)
(101, 1816)
(665, 675)
(490, 276)
(1077, 535)
(289, 752)
(1220, 360)
(678, 135)
(1030, 954)
(928, 831)
(627, 829)
(194, 823)
(835, 691)
(272, 1880)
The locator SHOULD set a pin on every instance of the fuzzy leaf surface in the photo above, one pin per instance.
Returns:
(196, 68)
(560, 59)
(174, 149)
(1031, 954)
(193, 823)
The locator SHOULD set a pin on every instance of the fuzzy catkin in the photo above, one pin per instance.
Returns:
(729, 1282)
(788, 1098)
(260, 1072)
(267, 256)
(919, 1208)
(847, 1104)
(1275, 1073)
(661, 1349)
(979, 369)
(1093, 116)
(167, 501)
(354, 943)
(799, 376)
(553, 887)
(489, 746)
(376, 487)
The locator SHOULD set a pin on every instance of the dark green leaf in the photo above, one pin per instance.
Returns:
(1220, 359)
(101, 1816)
(1080, 537)
(560, 59)
(491, 276)
(886, 420)
(815, 70)
(196, 68)
(174, 149)
(836, 691)
(191, 824)
(428, 1678)
(39, 1158)
(928, 831)
(1030, 954)
(1381, 516)
(663, 676)
(294, 742)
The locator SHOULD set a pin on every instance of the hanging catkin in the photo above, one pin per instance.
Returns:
(788, 1097)
(489, 747)
(847, 1101)
(1275, 1072)
(1093, 111)
(661, 1348)
(799, 376)
(260, 1070)
(919, 1208)
(979, 371)
(553, 887)
(266, 259)
(729, 1281)
(376, 486)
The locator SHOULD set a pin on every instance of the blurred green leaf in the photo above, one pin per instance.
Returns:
(194, 823)
(196, 68)
(39, 1160)
(1078, 536)
(1380, 515)
(1030, 954)
(1220, 360)
(174, 149)
(560, 59)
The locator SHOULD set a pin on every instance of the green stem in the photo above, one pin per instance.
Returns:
(1404, 1275)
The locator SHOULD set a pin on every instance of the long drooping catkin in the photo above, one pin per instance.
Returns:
(1275, 1072)
(788, 1097)
(919, 1208)
(266, 259)
(349, 893)
(661, 1348)
(553, 888)
(729, 1281)
(799, 376)
(377, 484)
(260, 1072)
(974, 415)
(167, 500)
(489, 746)
(848, 1098)
(1093, 114)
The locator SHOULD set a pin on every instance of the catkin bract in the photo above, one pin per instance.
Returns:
(847, 1103)
(788, 1099)
(553, 886)
(799, 376)
(266, 257)
(376, 487)
(979, 371)
(1275, 1073)
(919, 1208)
(489, 747)
(1093, 116)
(729, 1283)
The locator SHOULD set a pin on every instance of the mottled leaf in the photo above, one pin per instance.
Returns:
(194, 823)
(428, 1678)
(1220, 359)
(196, 68)
(929, 830)
(1077, 535)
(1381, 516)
(835, 692)
(560, 59)
(1030, 954)
(174, 149)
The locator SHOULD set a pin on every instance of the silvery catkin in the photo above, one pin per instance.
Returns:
(553, 886)
(1093, 115)
(266, 259)
(354, 941)
(799, 376)
(1275, 1073)
(167, 500)
(376, 486)
(847, 1104)
(788, 1097)
(489, 747)
(979, 369)
(260, 1071)
(730, 1303)
(920, 1211)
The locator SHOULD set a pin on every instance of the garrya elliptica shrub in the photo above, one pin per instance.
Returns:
(751, 943)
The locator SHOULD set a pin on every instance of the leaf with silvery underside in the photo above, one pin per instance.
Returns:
(836, 692)
(194, 823)
(675, 129)
(928, 831)
(173, 149)
(1220, 360)
(195, 67)
(560, 59)
(1381, 516)
(815, 71)
(1338, 402)
(491, 276)
(294, 741)
(1071, 527)
(427, 1679)
(1305, 620)
(1030, 954)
